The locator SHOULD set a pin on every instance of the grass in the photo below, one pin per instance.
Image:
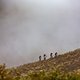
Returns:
(40, 75)
(63, 67)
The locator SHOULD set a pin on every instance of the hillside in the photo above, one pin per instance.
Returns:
(61, 67)
(67, 62)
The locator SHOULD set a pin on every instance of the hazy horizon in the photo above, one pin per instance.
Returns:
(29, 28)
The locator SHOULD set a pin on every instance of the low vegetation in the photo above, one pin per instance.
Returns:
(63, 67)
(41, 75)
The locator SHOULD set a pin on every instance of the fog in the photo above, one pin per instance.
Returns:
(29, 28)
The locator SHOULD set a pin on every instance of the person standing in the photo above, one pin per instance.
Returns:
(51, 55)
(39, 58)
(44, 56)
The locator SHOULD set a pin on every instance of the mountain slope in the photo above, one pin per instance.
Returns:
(66, 62)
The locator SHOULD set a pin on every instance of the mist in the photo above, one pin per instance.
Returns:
(29, 28)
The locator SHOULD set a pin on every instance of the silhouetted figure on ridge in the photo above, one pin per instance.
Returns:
(56, 54)
(39, 58)
(51, 55)
(44, 56)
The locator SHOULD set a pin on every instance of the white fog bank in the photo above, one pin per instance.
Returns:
(29, 28)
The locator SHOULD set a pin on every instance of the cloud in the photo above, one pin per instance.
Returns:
(29, 28)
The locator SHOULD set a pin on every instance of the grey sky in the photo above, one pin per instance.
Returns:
(29, 28)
